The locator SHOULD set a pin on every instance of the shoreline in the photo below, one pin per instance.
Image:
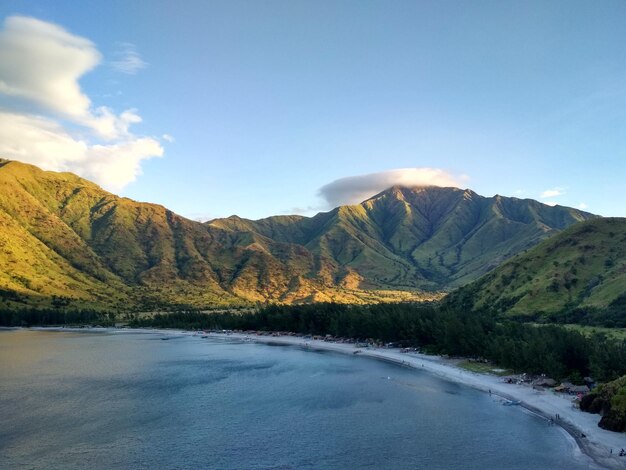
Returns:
(595, 446)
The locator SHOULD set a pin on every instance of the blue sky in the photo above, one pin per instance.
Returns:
(267, 102)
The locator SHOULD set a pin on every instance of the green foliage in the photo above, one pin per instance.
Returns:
(54, 317)
(609, 399)
(577, 276)
(64, 237)
(429, 238)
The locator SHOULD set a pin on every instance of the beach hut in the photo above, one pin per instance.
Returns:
(545, 382)
(565, 386)
(578, 389)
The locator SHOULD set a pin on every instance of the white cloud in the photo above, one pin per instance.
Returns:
(168, 138)
(41, 63)
(40, 66)
(201, 217)
(583, 206)
(43, 142)
(128, 60)
(306, 210)
(355, 189)
(554, 192)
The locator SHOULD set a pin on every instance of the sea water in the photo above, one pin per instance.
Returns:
(113, 399)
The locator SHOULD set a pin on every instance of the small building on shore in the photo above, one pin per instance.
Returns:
(545, 382)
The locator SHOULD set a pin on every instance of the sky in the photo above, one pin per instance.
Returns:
(258, 108)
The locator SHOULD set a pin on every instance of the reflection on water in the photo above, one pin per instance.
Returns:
(129, 400)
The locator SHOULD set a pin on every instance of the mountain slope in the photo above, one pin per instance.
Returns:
(430, 238)
(581, 269)
(63, 236)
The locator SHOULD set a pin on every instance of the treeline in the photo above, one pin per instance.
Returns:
(549, 349)
(47, 317)
(611, 316)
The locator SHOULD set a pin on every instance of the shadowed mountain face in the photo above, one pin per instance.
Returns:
(63, 236)
(576, 276)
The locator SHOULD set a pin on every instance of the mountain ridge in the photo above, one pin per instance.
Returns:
(64, 237)
(388, 224)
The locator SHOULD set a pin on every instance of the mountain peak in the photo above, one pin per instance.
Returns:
(68, 237)
(401, 191)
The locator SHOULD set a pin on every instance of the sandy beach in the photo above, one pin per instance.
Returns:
(596, 443)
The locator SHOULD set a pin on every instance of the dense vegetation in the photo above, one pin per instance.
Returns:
(54, 316)
(609, 400)
(577, 276)
(552, 350)
(63, 236)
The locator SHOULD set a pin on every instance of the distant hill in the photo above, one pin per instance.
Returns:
(64, 240)
(578, 275)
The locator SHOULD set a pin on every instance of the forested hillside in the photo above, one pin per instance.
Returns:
(577, 276)
(66, 242)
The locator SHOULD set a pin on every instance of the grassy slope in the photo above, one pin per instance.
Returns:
(584, 266)
(429, 238)
(41, 256)
(64, 236)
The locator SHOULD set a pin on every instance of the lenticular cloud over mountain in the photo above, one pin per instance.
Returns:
(355, 189)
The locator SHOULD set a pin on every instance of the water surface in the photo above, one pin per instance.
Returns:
(112, 399)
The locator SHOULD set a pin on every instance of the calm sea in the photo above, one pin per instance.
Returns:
(108, 400)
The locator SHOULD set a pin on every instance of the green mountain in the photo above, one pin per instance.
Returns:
(427, 238)
(579, 273)
(65, 240)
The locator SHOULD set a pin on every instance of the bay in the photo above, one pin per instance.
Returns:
(119, 399)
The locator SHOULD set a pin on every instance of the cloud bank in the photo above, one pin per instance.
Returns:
(40, 67)
(355, 189)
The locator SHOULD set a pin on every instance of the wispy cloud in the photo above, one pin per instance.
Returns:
(307, 210)
(583, 206)
(127, 59)
(40, 67)
(554, 192)
(355, 189)
(168, 138)
(200, 216)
